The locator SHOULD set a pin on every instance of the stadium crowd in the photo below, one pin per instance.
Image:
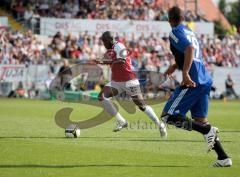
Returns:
(99, 9)
(152, 52)
(18, 48)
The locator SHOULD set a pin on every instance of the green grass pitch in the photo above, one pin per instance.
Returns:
(32, 145)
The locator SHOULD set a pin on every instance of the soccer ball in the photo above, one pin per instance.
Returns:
(72, 131)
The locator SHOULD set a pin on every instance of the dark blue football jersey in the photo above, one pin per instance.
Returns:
(180, 37)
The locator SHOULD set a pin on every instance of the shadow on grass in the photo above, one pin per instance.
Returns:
(134, 139)
(91, 166)
(31, 137)
(230, 131)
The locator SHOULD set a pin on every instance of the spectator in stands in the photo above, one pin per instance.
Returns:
(18, 9)
(143, 75)
(28, 15)
(229, 87)
(65, 74)
(19, 92)
(48, 80)
(1, 56)
(55, 55)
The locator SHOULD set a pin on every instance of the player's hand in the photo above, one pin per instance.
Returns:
(170, 71)
(187, 81)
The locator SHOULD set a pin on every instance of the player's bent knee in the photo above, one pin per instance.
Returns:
(139, 102)
(100, 96)
(142, 107)
(164, 114)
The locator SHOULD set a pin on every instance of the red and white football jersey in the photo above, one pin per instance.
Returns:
(120, 72)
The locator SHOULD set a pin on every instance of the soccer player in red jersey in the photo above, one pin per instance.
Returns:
(123, 79)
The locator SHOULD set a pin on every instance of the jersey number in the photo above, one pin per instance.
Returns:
(195, 44)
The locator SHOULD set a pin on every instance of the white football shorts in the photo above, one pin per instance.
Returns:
(132, 87)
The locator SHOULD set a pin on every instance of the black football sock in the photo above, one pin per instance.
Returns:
(202, 128)
(219, 150)
(186, 124)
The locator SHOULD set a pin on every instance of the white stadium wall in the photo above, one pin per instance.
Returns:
(14, 74)
(219, 75)
(50, 26)
(38, 73)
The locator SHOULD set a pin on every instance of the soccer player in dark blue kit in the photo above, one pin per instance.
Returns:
(193, 93)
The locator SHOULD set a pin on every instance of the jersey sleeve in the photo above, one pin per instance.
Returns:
(120, 50)
(179, 40)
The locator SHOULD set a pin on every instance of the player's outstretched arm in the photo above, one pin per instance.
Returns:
(102, 62)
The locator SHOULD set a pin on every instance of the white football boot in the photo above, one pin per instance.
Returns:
(163, 130)
(223, 163)
(120, 126)
(210, 138)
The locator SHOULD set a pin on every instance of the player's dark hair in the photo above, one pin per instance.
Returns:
(175, 15)
(106, 35)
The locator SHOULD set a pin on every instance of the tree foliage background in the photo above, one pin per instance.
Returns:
(232, 12)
